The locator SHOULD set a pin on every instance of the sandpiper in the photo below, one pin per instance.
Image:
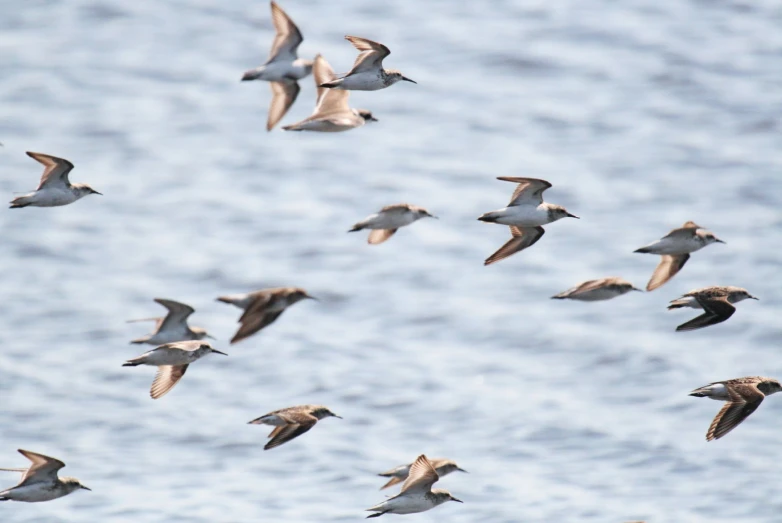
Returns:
(174, 326)
(55, 189)
(367, 73)
(417, 494)
(398, 474)
(385, 222)
(332, 113)
(675, 248)
(172, 360)
(716, 302)
(284, 68)
(525, 214)
(262, 307)
(40, 481)
(742, 396)
(597, 290)
(292, 422)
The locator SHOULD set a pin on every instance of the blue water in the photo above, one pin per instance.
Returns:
(642, 114)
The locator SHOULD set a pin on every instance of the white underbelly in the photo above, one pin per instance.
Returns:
(522, 216)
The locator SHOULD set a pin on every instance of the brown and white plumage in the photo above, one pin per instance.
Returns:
(384, 223)
(40, 481)
(399, 474)
(291, 422)
(417, 494)
(525, 215)
(172, 360)
(674, 249)
(716, 302)
(596, 290)
(54, 189)
(367, 73)
(742, 396)
(173, 327)
(263, 307)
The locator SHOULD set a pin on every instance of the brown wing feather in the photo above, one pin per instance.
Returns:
(522, 238)
(285, 433)
(667, 268)
(422, 476)
(716, 310)
(283, 96)
(380, 235)
(391, 482)
(252, 323)
(167, 376)
(745, 399)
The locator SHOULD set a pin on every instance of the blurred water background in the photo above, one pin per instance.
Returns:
(642, 114)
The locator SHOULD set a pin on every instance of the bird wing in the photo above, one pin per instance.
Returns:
(255, 318)
(56, 169)
(371, 56)
(716, 310)
(288, 36)
(43, 468)
(687, 230)
(177, 313)
(422, 476)
(529, 190)
(167, 376)
(669, 265)
(285, 433)
(380, 235)
(745, 398)
(329, 100)
(521, 238)
(283, 95)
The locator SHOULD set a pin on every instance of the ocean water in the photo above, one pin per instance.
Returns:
(642, 115)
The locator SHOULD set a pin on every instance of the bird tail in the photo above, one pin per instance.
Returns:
(131, 363)
(489, 217)
(356, 227)
(644, 250)
(19, 202)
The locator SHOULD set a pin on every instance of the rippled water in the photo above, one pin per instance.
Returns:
(643, 114)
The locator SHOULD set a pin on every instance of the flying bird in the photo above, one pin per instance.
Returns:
(284, 68)
(55, 188)
(173, 327)
(40, 481)
(389, 219)
(291, 422)
(367, 73)
(674, 249)
(716, 302)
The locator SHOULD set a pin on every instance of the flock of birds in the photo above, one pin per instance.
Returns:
(178, 344)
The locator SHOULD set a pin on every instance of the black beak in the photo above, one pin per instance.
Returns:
(456, 500)
(461, 470)
(334, 415)
(406, 79)
(86, 488)
(754, 298)
(209, 336)
(311, 297)
(96, 192)
(718, 240)
(572, 216)
(373, 119)
(219, 352)
(636, 289)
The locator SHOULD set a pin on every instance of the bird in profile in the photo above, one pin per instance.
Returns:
(674, 249)
(398, 474)
(597, 290)
(742, 396)
(417, 494)
(385, 222)
(173, 327)
(291, 422)
(262, 307)
(284, 68)
(367, 73)
(332, 113)
(525, 214)
(716, 302)
(40, 481)
(55, 189)
(172, 360)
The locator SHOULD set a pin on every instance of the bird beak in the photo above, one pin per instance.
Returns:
(718, 240)
(334, 415)
(461, 470)
(433, 216)
(219, 352)
(754, 298)
(636, 289)
(86, 488)
(96, 192)
(373, 119)
(573, 216)
(311, 297)
(209, 336)
(456, 500)
(406, 79)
